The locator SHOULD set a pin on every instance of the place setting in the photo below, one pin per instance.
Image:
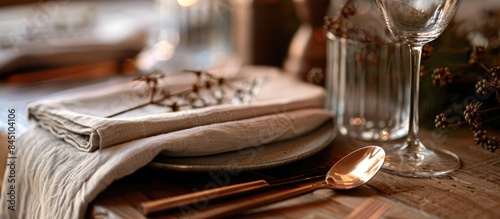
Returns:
(205, 123)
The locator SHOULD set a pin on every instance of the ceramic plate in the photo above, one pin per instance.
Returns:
(255, 158)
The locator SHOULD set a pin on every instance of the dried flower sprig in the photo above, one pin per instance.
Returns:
(483, 107)
(477, 113)
(151, 81)
(206, 90)
(491, 84)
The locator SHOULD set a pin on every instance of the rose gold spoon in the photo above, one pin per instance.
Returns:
(353, 170)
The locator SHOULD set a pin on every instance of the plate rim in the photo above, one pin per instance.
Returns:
(285, 159)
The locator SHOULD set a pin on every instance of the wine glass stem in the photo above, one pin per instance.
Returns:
(415, 53)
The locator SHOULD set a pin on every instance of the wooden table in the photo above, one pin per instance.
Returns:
(471, 192)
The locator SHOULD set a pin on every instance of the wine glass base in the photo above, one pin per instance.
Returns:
(419, 162)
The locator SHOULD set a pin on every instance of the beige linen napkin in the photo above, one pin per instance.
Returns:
(55, 178)
(82, 119)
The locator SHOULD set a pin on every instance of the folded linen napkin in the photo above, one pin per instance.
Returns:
(55, 179)
(83, 119)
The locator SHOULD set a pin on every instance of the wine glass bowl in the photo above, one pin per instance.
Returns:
(417, 22)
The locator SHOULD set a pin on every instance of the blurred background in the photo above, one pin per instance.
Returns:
(14, 2)
(49, 39)
(51, 47)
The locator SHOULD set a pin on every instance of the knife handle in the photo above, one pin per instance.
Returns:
(150, 207)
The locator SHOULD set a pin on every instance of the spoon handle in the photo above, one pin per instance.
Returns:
(150, 207)
(154, 206)
(238, 206)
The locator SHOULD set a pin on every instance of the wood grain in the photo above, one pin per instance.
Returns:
(471, 192)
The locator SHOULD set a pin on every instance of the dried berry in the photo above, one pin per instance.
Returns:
(315, 76)
(441, 77)
(348, 10)
(422, 71)
(441, 122)
(427, 51)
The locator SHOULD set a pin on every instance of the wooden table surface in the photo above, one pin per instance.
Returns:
(473, 191)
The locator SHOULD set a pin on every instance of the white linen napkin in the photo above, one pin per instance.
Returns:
(82, 119)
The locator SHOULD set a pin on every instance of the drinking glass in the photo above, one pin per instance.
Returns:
(417, 22)
(367, 87)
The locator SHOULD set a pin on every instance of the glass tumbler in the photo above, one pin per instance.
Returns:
(368, 88)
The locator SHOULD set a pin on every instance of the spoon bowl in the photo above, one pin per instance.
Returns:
(353, 170)
(356, 168)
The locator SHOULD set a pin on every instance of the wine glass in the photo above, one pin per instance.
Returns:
(417, 22)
